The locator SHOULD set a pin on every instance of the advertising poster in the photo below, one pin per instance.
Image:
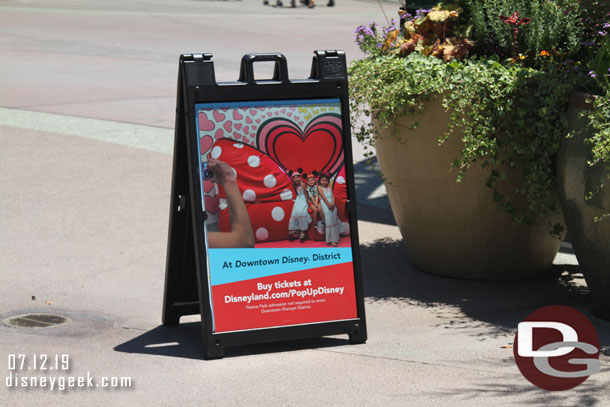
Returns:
(288, 160)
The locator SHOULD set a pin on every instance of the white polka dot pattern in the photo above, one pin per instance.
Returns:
(262, 234)
(270, 181)
(216, 152)
(249, 195)
(277, 214)
(254, 161)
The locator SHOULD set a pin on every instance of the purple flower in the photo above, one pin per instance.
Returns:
(587, 43)
(421, 12)
(365, 30)
(602, 33)
(592, 74)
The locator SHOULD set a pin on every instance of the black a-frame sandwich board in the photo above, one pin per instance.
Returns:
(187, 289)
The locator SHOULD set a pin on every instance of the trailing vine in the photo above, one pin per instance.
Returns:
(504, 70)
(512, 118)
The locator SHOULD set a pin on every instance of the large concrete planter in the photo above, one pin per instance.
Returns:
(590, 239)
(453, 229)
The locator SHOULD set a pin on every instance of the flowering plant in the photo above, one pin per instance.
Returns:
(435, 32)
(503, 70)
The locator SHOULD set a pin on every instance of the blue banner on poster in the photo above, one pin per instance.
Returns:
(232, 265)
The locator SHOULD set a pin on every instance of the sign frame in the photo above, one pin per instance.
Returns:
(187, 288)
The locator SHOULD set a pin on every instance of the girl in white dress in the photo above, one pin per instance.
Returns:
(299, 218)
(332, 227)
(313, 197)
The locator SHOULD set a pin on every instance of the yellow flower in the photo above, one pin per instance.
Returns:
(520, 57)
(544, 53)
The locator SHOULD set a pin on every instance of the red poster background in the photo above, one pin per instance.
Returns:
(235, 316)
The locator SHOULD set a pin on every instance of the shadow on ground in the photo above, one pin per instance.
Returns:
(583, 395)
(184, 341)
(389, 276)
(371, 193)
(482, 310)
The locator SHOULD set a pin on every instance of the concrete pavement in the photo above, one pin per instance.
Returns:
(87, 98)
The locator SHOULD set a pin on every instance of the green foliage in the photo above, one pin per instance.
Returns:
(596, 64)
(555, 27)
(390, 86)
(594, 16)
(599, 120)
(512, 118)
(511, 111)
(599, 66)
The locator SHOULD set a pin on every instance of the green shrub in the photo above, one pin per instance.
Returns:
(505, 70)
(512, 118)
(554, 28)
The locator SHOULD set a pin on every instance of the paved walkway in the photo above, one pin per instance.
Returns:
(87, 99)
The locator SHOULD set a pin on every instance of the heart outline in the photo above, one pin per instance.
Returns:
(279, 137)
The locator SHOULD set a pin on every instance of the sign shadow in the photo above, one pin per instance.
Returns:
(184, 341)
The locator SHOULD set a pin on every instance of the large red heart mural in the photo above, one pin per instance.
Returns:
(318, 147)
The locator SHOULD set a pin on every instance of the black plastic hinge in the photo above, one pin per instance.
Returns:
(196, 57)
(198, 69)
(329, 65)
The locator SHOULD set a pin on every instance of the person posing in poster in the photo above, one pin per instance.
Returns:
(241, 234)
(299, 218)
(313, 198)
(331, 229)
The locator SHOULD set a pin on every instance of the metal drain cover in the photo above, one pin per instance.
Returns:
(36, 321)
